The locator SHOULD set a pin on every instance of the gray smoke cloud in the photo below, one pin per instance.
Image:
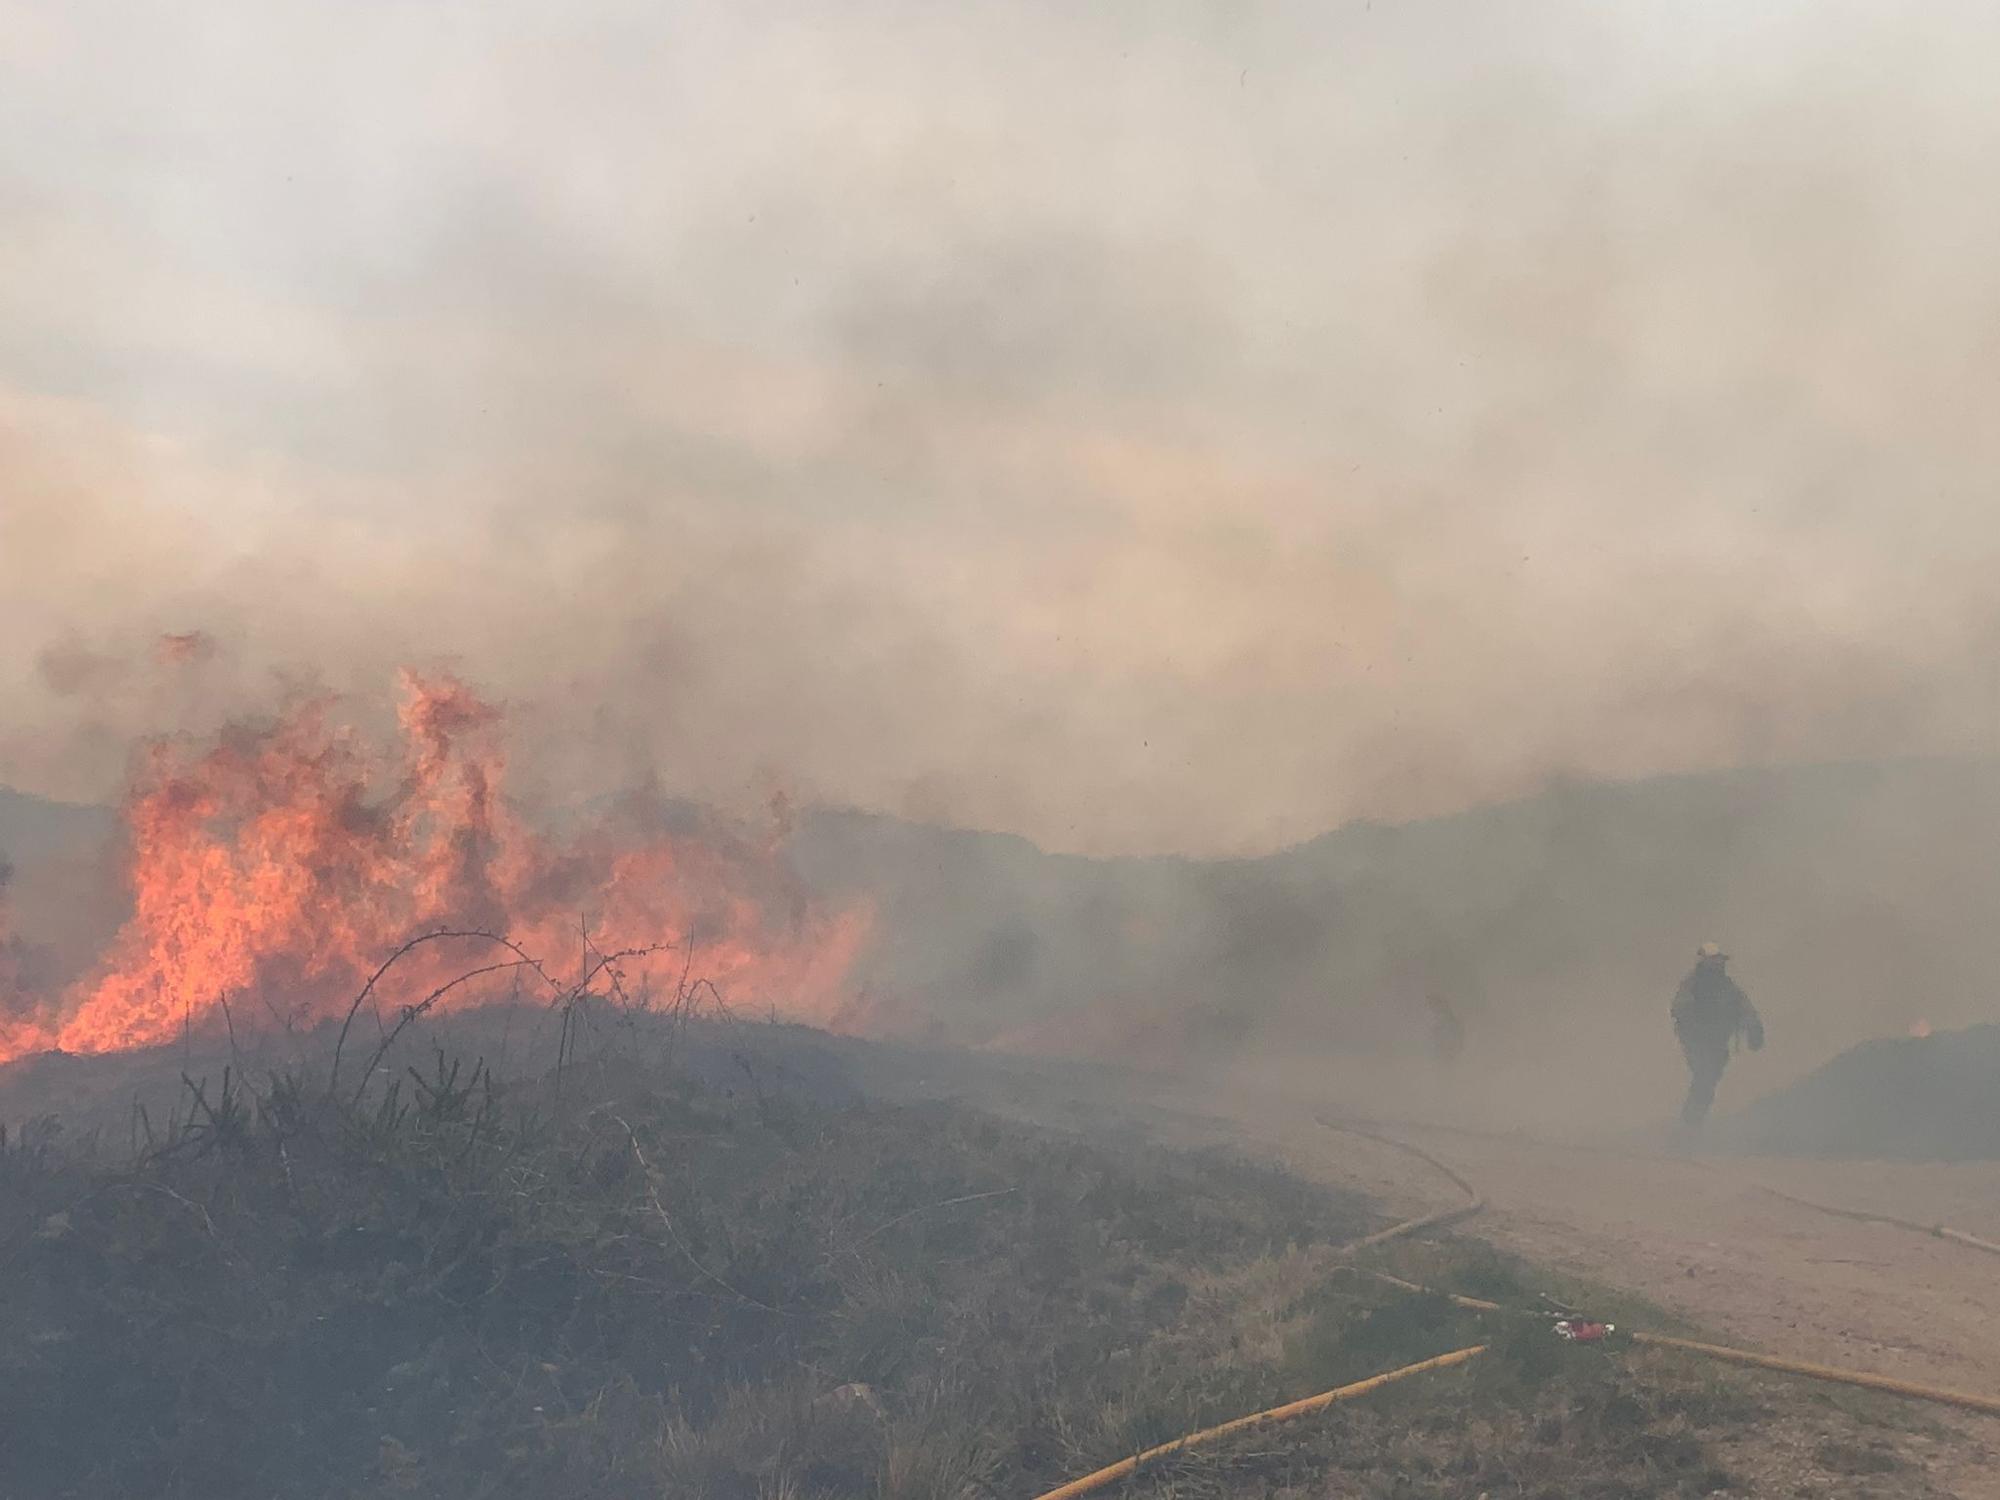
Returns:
(1140, 427)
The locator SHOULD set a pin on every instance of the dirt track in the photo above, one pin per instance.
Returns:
(1703, 1239)
(1697, 1236)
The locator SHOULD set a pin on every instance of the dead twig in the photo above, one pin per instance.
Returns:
(932, 1207)
(480, 934)
(666, 1218)
(423, 1007)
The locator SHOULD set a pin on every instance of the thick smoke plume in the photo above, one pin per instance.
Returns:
(1142, 429)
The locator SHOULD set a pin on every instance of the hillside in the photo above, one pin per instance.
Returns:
(59, 895)
(34, 829)
(1856, 899)
(1934, 1098)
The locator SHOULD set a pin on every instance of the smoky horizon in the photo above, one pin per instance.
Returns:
(1145, 431)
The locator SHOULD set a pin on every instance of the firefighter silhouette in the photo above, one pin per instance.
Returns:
(1711, 1015)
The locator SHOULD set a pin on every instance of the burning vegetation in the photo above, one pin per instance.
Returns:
(273, 871)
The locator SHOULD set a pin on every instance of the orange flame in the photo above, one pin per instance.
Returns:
(282, 864)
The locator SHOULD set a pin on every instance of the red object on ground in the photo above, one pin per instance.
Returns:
(1578, 1331)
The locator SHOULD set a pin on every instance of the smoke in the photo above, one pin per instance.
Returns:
(1142, 428)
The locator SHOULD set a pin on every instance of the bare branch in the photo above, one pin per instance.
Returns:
(412, 1012)
(929, 1207)
(368, 989)
(660, 1208)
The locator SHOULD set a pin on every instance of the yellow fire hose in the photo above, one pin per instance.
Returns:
(1473, 1204)
(1936, 1231)
(1124, 1468)
(1967, 1400)
(1472, 1304)
(1112, 1473)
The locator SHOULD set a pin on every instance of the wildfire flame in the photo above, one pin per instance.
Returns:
(273, 871)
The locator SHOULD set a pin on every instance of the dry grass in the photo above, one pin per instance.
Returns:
(635, 1283)
(626, 1283)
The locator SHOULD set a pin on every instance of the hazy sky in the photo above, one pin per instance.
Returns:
(1149, 426)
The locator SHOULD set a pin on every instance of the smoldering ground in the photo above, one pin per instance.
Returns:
(1146, 431)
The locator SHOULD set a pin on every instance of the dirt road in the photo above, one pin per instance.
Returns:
(1703, 1239)
(1698, 1236)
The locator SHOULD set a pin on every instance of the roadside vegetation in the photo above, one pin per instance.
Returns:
(636, 1277)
